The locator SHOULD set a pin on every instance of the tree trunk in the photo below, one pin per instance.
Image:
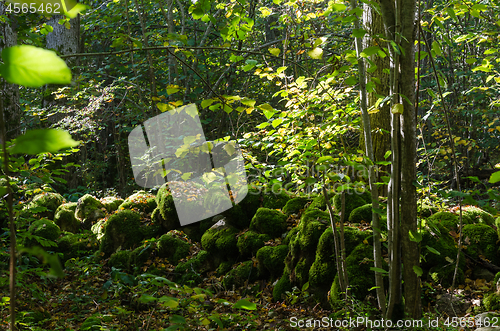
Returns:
(9, 92)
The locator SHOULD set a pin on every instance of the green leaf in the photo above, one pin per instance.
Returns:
(277, 122)
(369, 51)
(415, 236)
(358, 33)
(206, 103)
(337, 6)
(324, 158)
(177, 319)
(274, 51)
(495, 177)
(168, 302)
(379, 270)
(245, 304)
(42, 141)
(418, 270)
(432, 250)
(268, 110)
(436, 48)
(315, 53)
(146, 298)
(31, 66)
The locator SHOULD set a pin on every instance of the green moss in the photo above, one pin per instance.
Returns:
(446, 219)
(424, 210)
(272, 259)
(238, 276)
(336, 296)
(313, 214)
(122, 229)
(302, 271)
(435, 237)
(491, 302)
(309, 235)
(361, 278)
(46, 229)
(98, 228)
(294, 205)
(444, 275)
(367, 196)
(140, 255)
(190, 272)
(164, 190)
(220, 240)
(282, 286)
(169, 219)
(352, 201)
(323, 269)
(89, 210)
(120, 260)
(142, 201)
(275, 198)
(269, 221)
(77, 245)
(482, 240)
(65, 217)
(49, 200)
(173, 246)
(250, 241)
(318, 203)
(290, 235)
(111, 203)
(224, 268)
(474, 215)
(361, 214)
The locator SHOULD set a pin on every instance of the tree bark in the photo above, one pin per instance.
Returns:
(9, 92)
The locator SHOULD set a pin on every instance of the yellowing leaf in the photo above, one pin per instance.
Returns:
(315, 53)
(274, 51)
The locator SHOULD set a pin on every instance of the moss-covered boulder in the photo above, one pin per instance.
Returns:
(361, 214)
(74, 245)
(111, 203)
(352, 201)
(98, 228)
(275, 198)
(323, 269)
(192, 271)
(140, 255)
(174, 246)
(425, 210)
(44, 228)
(272, 260)
(250, 242)
(294, 205)
(448, 220)
(120, 259)
(239, 275)
(491, 302)
(282, 286)
(482, 240)
(65, 217)
(141, 201)
(220, 240)
(438, 247)
(475, 215)
(318, 202)
(122, 229)
(361, 278)
(49, 201)
(252, 201)
(166, 214)
(89, 210)
(269, 221)
(290, 235)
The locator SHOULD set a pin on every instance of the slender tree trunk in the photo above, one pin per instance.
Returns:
(9, 92)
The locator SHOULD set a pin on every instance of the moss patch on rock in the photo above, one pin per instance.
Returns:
(44, 228)
(174, 246)
(269, 221)
(89, 210)
(122, 229)
(73, 245)
(482, 241)
(49, 200)
(120, 260)
(250, 242)
(294, 205)
(239, 275)
(475, 215)
(446, 219)
(352, 201)
(221, 240)
(438, 247)
(275, 198)
(361, 214)
(191, 271)
(425, 210)
(272, 260)
(111, 203)
(282, 286)
(141, 201)
(65, 217)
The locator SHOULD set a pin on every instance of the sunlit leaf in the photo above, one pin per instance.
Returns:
(245, 304)
(42, 141)
(31, 66)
